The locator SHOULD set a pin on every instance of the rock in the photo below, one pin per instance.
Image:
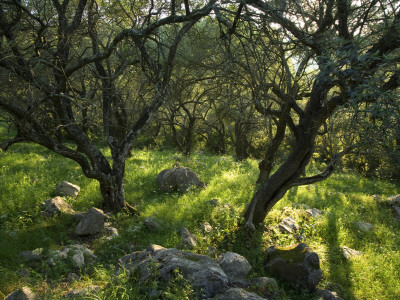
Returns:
(328, 295)
(206, 227)
(188, 239)
(76, 255)
(91, 223)
(315, 212)
(30, 255)
(178, 179)
(235, 266)
(68, 189)
(111, 232)
(23, 293)
(296, 264)
(72, 277)
(79, 293)
(204, 273)
(79, 216)
(364, 226)
(349, 253)
(394, 200)
(213, 202)
(237, 294)
(152, 224)
(288, 225)
(396, 212)
(268, 282)
(57, 206)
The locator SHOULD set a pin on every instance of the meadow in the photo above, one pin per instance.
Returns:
(29, 175)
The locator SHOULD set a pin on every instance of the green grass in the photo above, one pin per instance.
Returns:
(29, 174)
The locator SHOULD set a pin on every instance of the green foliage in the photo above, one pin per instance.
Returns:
(348, 197)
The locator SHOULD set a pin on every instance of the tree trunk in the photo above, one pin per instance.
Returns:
(112, 191)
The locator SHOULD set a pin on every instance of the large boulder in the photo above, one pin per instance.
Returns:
(235, 266)
(92, 222)
(56, 206)
(296, 264)
(68, 189)
(204, 273)
(237, 294)
(178, 179)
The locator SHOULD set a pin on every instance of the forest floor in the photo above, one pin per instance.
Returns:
(29, 175)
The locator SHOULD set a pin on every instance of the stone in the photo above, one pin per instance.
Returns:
(213, 202)
(396, 212)
(72, 277)
(237, 294)
(178, 179)
(111, 232)
(56, 206)
(364, 226)
(67, 189)
(296, 264)
(288, 225)
(206, 227)
(152, 224)
(201, 271)
(315, 213)
(349, 253)
(77, 255)
(188, 239)
(268, 282)
(80, 293)
(28, 255)
(328, 295)
(394, 200)
(23, 293)
(91, 223)
(79, 216)
(235, 266)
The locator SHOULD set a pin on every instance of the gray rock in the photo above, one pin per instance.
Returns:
(57, 206)
(235, 266)
(28, 255)
(188, 239)
(268, 282)
(328, 295)
(111, 232)
(91, 223)
(396, 212)
(203, 272)
(23, 293)
(237, 294)
(394, 200)
(79, 216)
(152, 224)
(296, 264)
(79, 293)
(206, 227)
(178, 179)
(315, 212)
(72, 277)
(349, 253)
(364, 226)
(68, 189)
(76, 255)
(213, 202)
(288, 225)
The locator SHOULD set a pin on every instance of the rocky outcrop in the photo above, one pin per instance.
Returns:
(297, 265)
(23, 293)
(178, 179)
(56, 206)
(237, 294)
(92, 222)
(235, 266)
(67, 189)
(75, 255)
(204, 273)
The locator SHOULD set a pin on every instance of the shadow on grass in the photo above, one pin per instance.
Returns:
(339, 270)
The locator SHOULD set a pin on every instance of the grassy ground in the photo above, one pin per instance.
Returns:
(29, 175)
